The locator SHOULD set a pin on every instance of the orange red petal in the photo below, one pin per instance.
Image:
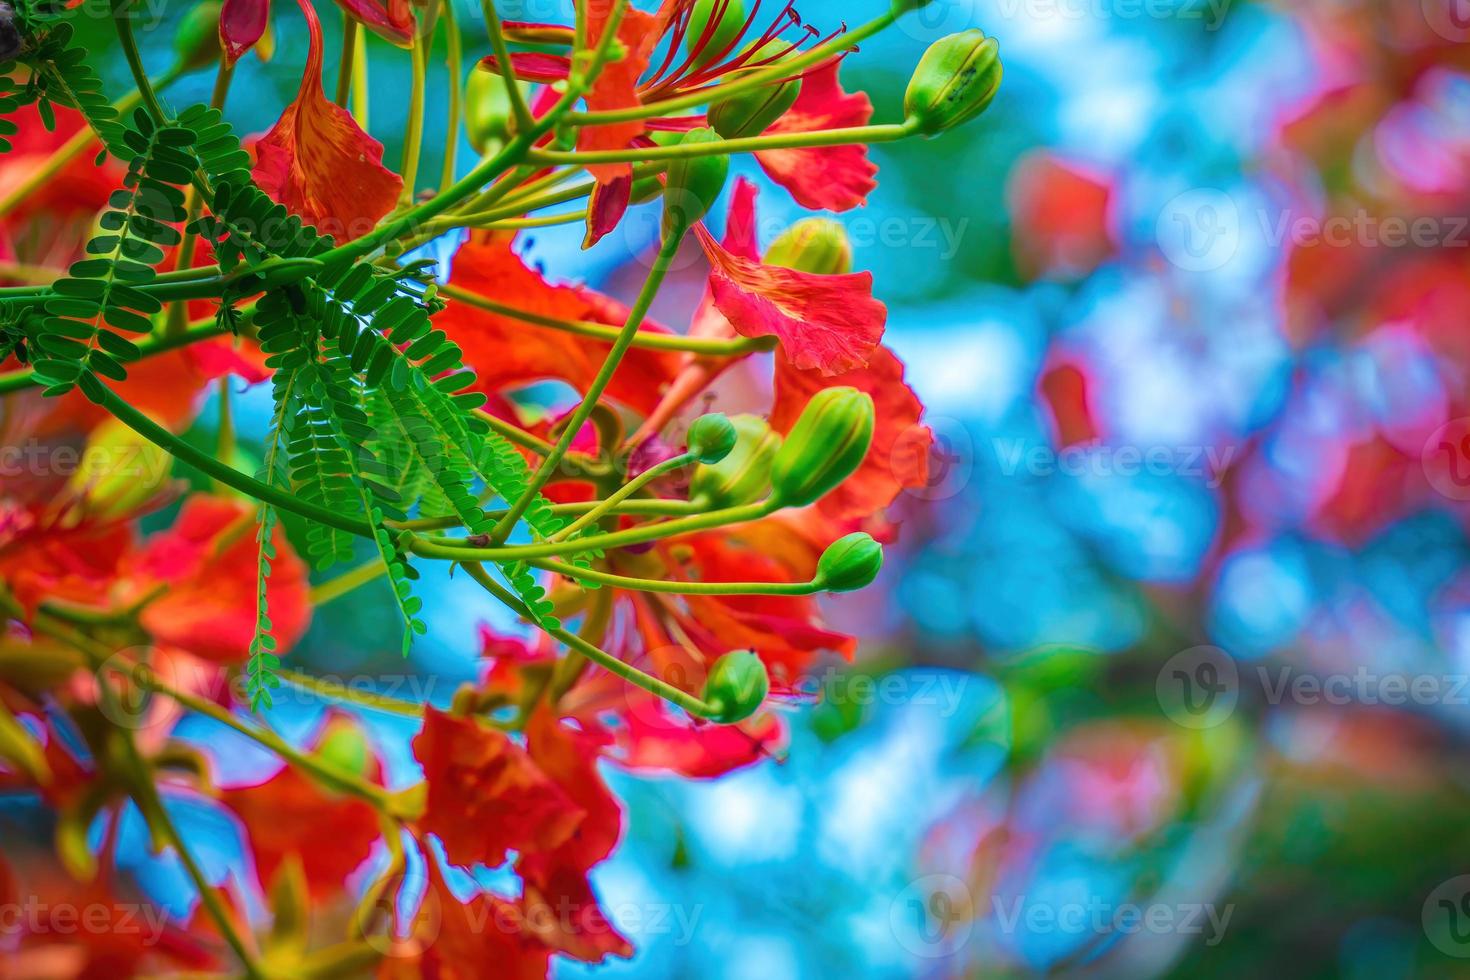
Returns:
(319, 163)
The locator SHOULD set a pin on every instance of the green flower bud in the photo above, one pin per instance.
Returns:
(711, 437)
(828, 442)
(345, 746)
(850, 563)
(956, 80)
(119, 471)
(488, 118)
(817, 245)
(726, 32)
(744, 476)
(737, 685)
(753, 113)
(196, 44)
(694, 184)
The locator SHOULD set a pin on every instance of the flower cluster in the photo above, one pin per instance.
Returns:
(669, 557)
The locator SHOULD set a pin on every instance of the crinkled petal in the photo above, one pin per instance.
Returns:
(319, 163)
(837, 178)
(830, 323)
(486, 796)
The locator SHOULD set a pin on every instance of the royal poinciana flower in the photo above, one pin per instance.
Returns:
(704, 45)
(318, 162)
(674, 603)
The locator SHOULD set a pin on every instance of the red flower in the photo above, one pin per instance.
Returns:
(899, 456)
(831, 323)
(319, 163)
(506, 351)
(292, 815)
(208, 561)
(837, 178)
(486, 796)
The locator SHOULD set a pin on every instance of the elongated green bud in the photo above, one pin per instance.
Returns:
(731, 14)
(694, 184)
(744, 476)
(488, 118)
(753, 113)
(850, 563)
(818, 245)
(196, 43)
(826, 445)
(737, 685)
(956, 80)
(712, 437)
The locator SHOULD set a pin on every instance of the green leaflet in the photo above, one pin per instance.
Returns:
(59, 73)
(82, 333)
(260, 670)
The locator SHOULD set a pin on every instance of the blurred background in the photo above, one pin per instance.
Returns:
(1169, 674)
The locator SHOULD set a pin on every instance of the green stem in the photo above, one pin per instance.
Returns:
(360, 83)
(347, 65)
(413, 131)
(135, 60)
(347, 582)
(676, 588)
(150, 804)
(603, 331)
(456, 88)
(222, 472)
(633, 508)
(624, 492)
(460, 551)
(322, 770)
(518, 106)
(747, 144)
(337, 692)
(625, 339)
(690, 703)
